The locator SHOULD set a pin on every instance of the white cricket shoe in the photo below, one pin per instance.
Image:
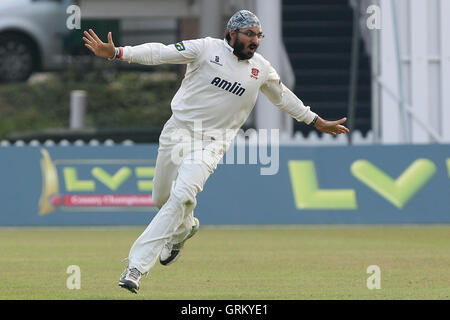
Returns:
(130, 279)
(171, 252)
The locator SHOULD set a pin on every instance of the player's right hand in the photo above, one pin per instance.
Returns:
(99, 48)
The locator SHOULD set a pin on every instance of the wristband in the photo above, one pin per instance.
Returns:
(314, 120)
(116, 54)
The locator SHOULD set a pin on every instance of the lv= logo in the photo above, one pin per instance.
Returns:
(108, 184)
(397, 191)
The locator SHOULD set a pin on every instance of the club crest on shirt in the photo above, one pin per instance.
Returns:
(180, 46)
(255, 73)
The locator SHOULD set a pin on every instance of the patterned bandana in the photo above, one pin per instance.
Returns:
(243, 19)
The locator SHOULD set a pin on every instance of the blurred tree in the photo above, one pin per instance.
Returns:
(114, 99)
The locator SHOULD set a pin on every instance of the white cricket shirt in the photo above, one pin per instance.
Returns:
(218, 89)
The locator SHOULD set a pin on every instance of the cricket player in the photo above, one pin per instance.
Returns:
(218, 92)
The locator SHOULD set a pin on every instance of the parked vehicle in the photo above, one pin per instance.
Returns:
(31, 37)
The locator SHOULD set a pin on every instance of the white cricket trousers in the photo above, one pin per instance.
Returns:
(184, 163)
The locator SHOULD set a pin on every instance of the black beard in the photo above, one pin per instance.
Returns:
(239, 50)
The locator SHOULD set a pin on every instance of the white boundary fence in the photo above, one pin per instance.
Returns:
(313, 139)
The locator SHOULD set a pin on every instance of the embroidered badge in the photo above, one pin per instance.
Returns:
(179, 46)
(255, 73)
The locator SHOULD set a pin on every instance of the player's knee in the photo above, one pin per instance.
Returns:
(160, 195)
(158, 200)
(184, 196)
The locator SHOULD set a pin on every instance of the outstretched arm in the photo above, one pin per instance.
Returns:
(149, 53)
(287, 101)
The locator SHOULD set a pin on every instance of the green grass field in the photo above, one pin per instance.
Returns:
(233, 263)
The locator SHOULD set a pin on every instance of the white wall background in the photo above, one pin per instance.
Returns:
(424, 39)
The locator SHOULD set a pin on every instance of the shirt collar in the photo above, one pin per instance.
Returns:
(230, 48)
(227, 45)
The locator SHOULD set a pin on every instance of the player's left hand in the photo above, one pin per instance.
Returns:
(331, 127)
